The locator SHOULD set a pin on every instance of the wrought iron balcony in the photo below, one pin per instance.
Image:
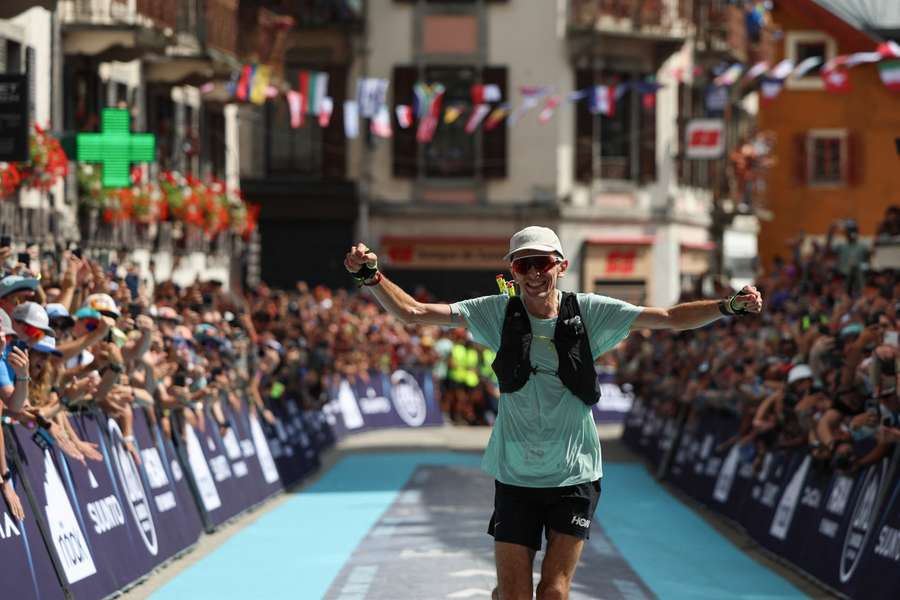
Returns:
(638, 16)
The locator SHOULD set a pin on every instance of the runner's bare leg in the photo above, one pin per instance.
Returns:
(558, 566)
(514, 565)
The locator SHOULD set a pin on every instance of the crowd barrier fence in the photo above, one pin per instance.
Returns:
(843, 530)
(93, 529)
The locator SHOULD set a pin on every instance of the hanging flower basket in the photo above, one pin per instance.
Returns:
(47, 163)
(10, 179)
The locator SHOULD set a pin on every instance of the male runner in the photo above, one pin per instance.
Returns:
(544, 453)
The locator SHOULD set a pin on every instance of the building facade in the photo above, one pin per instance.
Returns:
(634, 221)
(837, 156)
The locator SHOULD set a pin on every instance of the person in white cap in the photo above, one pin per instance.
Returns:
(544, 452)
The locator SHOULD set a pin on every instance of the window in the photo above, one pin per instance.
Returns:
(627, 138)
(827, 158)
(806, 50)
(297, 151)
(451, 152)
(13, 56)
(801, 45)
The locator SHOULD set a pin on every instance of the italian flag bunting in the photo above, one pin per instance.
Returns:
(889, 70)
(314, 87)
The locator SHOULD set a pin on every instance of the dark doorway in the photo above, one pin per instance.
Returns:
(294, 250)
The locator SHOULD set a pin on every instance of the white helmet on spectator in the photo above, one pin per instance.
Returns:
(799, 372)
(104, 304)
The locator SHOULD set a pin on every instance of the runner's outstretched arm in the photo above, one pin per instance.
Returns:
(691, 315)
(394, 299)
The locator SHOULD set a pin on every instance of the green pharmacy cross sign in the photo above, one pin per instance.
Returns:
(116, 148)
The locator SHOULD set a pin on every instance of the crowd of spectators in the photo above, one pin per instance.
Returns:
(75, 336)
(817, 370)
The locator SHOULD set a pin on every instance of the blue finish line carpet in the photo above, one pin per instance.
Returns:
(388, 526)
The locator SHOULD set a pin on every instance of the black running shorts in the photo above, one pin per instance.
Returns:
(522, 514)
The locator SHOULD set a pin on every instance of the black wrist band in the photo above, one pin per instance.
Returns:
(5, 477)
(365, 272)
(723, 309)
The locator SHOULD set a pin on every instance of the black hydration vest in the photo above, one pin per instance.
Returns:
(576, 363)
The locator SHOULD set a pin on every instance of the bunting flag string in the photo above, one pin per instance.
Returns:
(549, 108)
(487, 109)
(295, 104)
(497, 115)
(404, 115)
(477, 116)
(807, 65)
(889, 71)
(326, 107)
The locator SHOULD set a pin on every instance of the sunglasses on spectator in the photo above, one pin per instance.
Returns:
(542, 263)
(33, 332)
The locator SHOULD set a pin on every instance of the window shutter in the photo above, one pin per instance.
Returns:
(584, 129)
(801, 165)
(855, 159)
(334, 142)
(648, 142)
(405, 148)
(494, 142)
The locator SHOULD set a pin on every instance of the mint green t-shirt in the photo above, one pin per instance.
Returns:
(544, 435)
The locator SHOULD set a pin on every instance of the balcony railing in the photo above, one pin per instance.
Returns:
(635, 15)
(97, 12)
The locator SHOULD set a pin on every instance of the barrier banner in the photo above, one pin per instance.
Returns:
(218, 473)
(22, 548)
(879, 570)
(242, 458)
(292, 450)
(255, 450)
(83, 571)
(615, 402)
(403, 399)
(173, 504)
(824, 522)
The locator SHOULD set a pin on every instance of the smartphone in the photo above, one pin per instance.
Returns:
(76, 252)
(5, 241)
(21, 345)
(135, 309)
(179, 380)
(24, 258)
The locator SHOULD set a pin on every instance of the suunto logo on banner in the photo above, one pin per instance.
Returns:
(408, 398)
(861, 521)
(135, 497)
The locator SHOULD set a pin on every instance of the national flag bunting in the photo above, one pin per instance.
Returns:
(603, 100)
(497, 115)
(730, 75)
(314, 87)
(260, 84)
(295, 105)
(837, 81)
(381, 123)
(351, 119)
(404, 115)
(477, 116)
(806, 65)
(326, 107)
(549, 108)
(769, 88)
(889, 71)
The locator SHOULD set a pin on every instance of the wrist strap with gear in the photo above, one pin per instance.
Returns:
(365, 272)
(736, 311)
